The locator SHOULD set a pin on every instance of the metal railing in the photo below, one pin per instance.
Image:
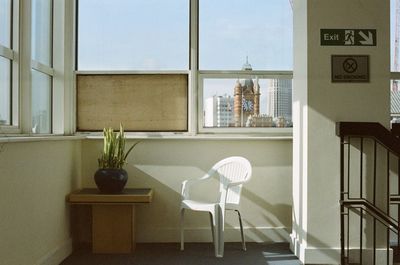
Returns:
(366, 191)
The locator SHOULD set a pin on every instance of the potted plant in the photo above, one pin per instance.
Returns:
(111, 177)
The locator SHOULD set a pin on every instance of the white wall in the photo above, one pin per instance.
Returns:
(319, 103)
(35, 178)
(164, 164)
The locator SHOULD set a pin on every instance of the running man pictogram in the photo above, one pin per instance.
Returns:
(349, 37)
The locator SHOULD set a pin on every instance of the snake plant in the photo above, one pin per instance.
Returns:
(114, 155)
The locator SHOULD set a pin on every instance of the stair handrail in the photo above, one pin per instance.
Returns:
(371, 209)
(391, 142)
(372, 130)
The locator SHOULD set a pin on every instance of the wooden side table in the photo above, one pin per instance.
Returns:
(113, 217)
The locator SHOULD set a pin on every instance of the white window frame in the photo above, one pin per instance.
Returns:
(61, 69)
(47, 69)
(192, 75)
(234, 75)
(199, 75)
(393, 75)
(195, 86)
(13, 55)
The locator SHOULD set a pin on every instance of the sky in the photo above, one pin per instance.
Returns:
(154, 34)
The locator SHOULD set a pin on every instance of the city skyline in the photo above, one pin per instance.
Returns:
(224, 110)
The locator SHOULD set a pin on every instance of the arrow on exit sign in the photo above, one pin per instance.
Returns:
(348, 37)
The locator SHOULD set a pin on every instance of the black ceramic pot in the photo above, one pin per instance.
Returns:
(111, 180)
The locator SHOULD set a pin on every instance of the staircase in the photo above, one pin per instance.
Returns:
(369, 193)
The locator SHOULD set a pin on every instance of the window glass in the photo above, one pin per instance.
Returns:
(395, 101)
(41, 31)
(231, 30)
(41, 102)
(247, 102)
(5, 23)
(133, 35)
(394, 35)
(142, 102)
(5, 88)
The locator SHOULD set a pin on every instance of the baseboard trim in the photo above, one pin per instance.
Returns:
(58, 254)
(380, 258)
(312, 255)
(203, 234)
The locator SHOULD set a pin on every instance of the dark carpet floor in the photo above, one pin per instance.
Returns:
(194, 254)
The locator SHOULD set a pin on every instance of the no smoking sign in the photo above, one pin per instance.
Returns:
(350, 68)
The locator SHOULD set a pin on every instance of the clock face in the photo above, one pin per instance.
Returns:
(247, 105)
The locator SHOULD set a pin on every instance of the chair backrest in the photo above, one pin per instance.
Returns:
(230, 170)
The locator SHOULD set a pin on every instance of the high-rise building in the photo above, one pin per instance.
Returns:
(280, 101)
(218, 111)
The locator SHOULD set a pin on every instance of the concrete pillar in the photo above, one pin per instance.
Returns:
(318, 104)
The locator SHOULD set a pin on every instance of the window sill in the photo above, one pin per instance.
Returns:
(143, 136)
(38, 138)
(187, 136)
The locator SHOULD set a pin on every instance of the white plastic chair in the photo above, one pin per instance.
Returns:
(233, 172)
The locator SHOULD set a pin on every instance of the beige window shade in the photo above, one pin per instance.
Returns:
(142, 102)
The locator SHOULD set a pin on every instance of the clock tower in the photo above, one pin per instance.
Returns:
(246, 98)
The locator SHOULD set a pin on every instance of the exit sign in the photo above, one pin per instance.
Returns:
(348, 37)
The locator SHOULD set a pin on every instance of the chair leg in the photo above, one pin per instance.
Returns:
(182, 228)
(241, 230)
(214, 230)
(212, 227)
(219, 213)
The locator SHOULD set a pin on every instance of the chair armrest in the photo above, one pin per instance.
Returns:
(187, 183)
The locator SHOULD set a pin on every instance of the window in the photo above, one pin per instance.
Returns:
(141, 102)
(136, 52)
(40, 103)
(245, 63)
(133, 35)
(5, 91)
(238, 60)
(8, 65)
(248, 101)
(231, 30)
(42, 66)
(5, 22)
(394, 59)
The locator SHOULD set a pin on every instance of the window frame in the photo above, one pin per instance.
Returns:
(195, 87)
(191, 75)
(12, 53)
(131, 72)
(47, 70)
(213, 74)
(126, 71)
(393, 74)
(200, 75)
(61, 70)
